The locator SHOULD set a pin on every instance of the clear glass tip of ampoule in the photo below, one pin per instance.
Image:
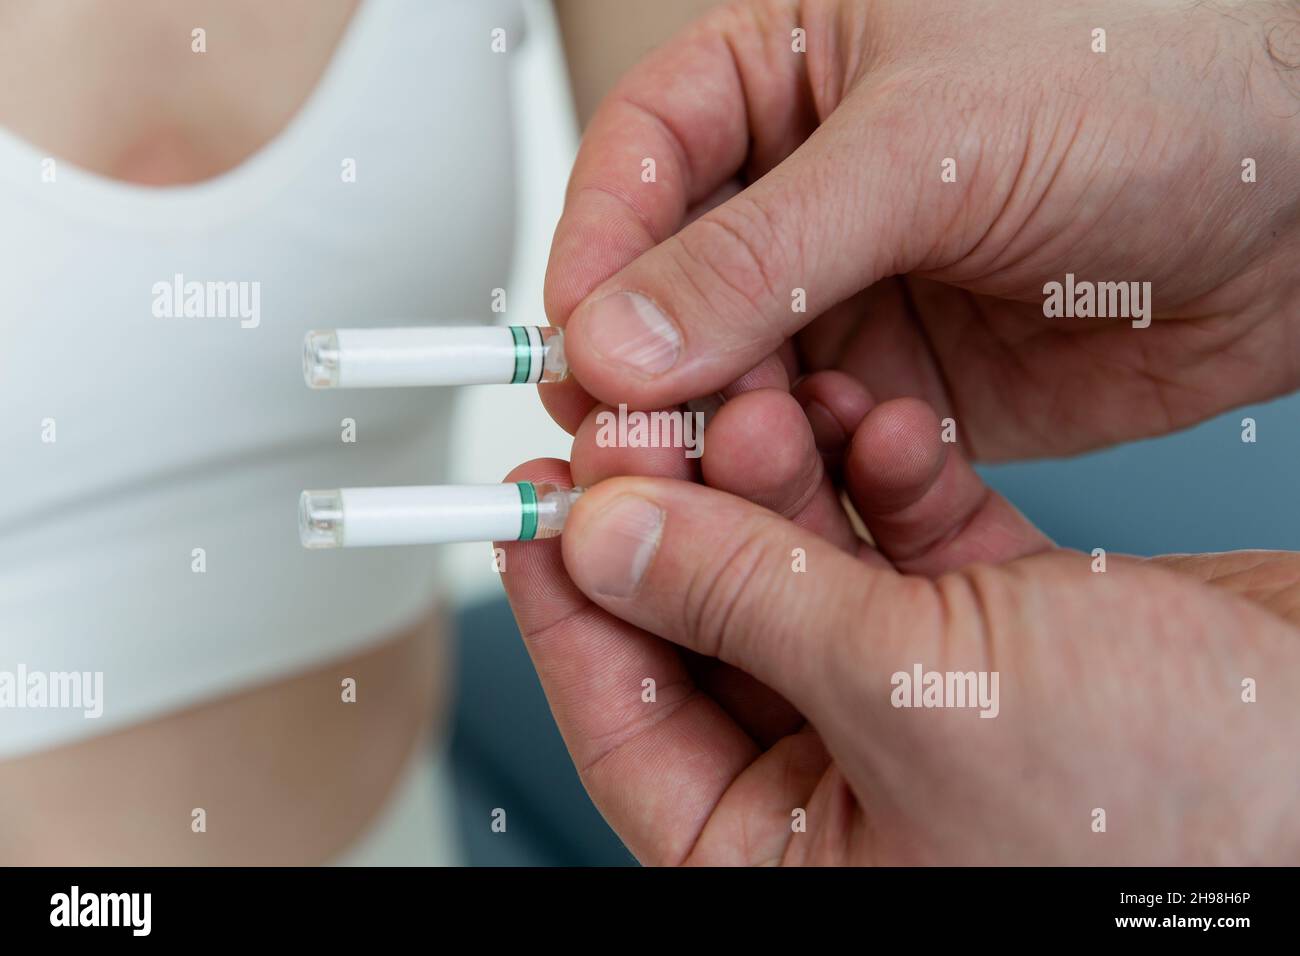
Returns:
(320, 359)
(553, 505)
(320, 519)
(555, 367)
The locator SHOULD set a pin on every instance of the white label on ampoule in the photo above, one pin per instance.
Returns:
(435, 514)
(378, 358)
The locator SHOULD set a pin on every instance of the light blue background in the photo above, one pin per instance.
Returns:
(1197, 490)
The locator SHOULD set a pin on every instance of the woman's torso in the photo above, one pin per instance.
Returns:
(354, 168)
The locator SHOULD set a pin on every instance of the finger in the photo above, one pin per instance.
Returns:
(759, 711)
(879, 338)
(702, 304)
(720, 195)
(569, 403)
(714, 573)
(687, 107)
(657, 768)
(570, 406)
(691, 313)
(772, 372)
(695, 311)
(924, 504)
(834, 404)
(752, 824)
(598, 453)
(760, 447)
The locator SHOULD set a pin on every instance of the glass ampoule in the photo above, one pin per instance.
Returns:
(433, 514)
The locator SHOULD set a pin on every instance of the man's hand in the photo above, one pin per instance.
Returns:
(723, 669)
(1118, 166)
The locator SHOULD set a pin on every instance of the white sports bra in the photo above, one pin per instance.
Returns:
(150, 462)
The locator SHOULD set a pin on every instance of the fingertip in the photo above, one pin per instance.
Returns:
(620, 346)
(611, 534)
(926, 507)
(789, 357)
(594, 458)
(895, 456)
(532, 572)
(834, 403)
(550, 470)
(770, 373)
(567, 402)
(630, 343)
(759, 447)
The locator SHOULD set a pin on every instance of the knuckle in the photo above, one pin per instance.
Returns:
(718, 594)
(973, 609)
(739, 247)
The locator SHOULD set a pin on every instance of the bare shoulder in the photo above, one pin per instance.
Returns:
(602, 40)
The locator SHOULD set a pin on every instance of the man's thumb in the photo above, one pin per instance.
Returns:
(728, 579)
(707, 304)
